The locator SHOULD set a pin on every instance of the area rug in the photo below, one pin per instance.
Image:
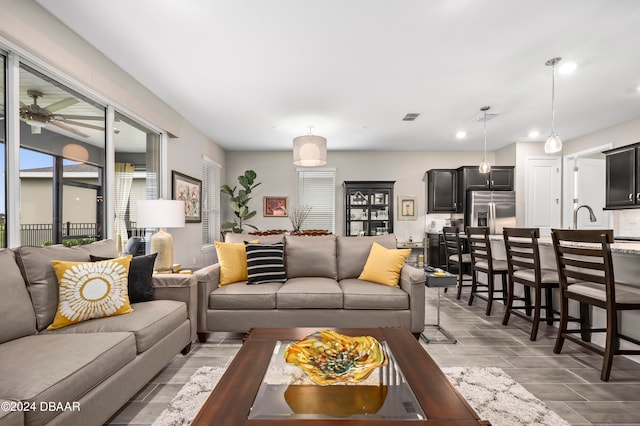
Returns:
(493, 394)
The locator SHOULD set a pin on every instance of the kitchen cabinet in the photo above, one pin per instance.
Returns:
(623, 177)
(368, 207)
(500, 178)
(442, 190)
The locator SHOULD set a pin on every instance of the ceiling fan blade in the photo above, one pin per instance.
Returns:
(80, 117)
(69, 129)
(23, 105)
(89, 126)
(56, 106)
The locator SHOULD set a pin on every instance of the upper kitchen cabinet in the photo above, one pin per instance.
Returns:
(623, 177)
(500, 178)
(442, 191)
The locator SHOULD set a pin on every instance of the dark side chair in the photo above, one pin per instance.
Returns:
(457, 259)
(482, 261)
(523, 260)
(586, 275)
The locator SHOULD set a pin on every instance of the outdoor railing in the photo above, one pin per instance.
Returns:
(38, 234)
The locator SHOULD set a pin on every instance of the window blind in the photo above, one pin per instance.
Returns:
(210, 202)
(317, 188)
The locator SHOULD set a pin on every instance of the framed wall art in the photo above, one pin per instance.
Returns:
(188, 189)
(407, 207)
(275, 206)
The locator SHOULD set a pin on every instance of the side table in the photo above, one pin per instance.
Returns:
(440, 281)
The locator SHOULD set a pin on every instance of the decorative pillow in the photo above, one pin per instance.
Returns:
(91, 290)
(140, 282)
(265, 263)
(233, 262)
(383, 265)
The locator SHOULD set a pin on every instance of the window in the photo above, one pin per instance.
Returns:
(210, 202)
(3, 137)
(317, 188)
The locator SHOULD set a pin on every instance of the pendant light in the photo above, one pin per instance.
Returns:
(553, 143)
(310, 150)
(485, 167)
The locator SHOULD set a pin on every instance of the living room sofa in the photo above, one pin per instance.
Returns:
(83, 373)
(322, 289)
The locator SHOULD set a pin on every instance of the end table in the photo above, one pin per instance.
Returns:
(440, 281)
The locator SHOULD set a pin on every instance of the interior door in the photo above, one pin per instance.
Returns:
(543, 183)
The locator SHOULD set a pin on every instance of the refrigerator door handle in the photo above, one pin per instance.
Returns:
(492, 218)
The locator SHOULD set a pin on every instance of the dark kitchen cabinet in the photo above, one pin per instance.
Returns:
(623, 177)
(442, 190)
(500, 178)
(368, 207)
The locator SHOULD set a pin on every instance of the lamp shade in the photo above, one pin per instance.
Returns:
(553, 144)
(160, 214)
(310, 151)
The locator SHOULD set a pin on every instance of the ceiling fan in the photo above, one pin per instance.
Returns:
(38, 117)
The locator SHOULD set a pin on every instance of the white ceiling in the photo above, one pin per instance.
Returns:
(253, 74)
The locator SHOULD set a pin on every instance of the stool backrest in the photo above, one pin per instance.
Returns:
(521, 245)
(479, 245)
(452, 244)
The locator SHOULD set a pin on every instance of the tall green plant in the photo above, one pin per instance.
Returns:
(239, 203)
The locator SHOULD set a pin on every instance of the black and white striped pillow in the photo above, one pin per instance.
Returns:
(265, 263)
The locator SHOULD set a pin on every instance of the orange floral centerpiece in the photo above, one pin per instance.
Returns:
(328, 357)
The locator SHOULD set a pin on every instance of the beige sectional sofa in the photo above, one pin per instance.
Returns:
(322, 290)
(83, 373)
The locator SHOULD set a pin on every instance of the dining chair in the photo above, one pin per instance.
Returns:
(586, 274)
(523, 261)
(457, 260)
(482, 261)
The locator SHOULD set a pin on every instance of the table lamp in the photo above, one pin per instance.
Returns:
(161, 214)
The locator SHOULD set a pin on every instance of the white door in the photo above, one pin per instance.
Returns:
(542, 187)
(590, 190)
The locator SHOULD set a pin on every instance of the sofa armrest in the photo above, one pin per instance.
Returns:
(181, 287)
(412, 280)
(208, 279)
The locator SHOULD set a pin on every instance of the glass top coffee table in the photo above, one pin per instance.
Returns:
(260, 388)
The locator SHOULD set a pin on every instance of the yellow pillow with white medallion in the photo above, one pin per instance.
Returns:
(91, 290)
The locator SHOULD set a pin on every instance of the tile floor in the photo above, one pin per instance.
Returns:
(569, 383)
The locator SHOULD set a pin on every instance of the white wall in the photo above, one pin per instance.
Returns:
(277, 175)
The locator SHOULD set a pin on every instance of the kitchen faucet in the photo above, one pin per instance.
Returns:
(592, 217)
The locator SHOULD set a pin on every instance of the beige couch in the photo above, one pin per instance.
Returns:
(81, 374)
(322, 290)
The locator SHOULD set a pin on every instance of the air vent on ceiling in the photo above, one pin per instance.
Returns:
(489, 117)
(411, 116)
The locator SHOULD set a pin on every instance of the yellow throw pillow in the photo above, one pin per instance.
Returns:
(233, 262)
(91, 290)
(383, 265)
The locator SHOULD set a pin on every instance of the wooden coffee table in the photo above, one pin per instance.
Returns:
(231, 401)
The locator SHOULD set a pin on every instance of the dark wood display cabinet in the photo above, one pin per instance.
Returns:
(623, 177)
(442, 191)
(368, 207)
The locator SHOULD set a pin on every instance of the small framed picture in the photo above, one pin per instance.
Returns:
(407, 207)
(275, 206)
(189, 190)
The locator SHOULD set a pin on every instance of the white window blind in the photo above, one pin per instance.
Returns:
(317, 188)
(210, 202)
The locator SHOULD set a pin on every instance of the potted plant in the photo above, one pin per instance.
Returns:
(239, 202)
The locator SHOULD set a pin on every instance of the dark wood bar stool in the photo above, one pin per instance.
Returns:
(523, 260)
(457, 259)
(482, 261)
(586, 275)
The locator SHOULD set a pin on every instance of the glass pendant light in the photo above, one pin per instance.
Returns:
(485, 167)
(553, 143)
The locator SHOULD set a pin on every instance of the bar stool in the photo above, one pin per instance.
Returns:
(482, 261)
(586, 275)
(523, 260)
(457, 260)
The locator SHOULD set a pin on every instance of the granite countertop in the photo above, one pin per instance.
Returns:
(623, 247)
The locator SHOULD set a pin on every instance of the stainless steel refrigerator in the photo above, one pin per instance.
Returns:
(495, 209)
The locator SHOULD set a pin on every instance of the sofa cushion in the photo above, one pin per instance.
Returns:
(42, 283)
(230, 237)
(60, 367)
(140, 280)
(309, 292)
(308, 256)
(149, 322)
(265, 263)
(104, 248)
(244, 296)
(383, 265)
(18, 316)
(233, 262)
(9, 417)
(354, 251)
(360, 294)
(91, 290)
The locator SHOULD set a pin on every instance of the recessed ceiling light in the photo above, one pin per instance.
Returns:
(534, 134)
(567, 68)
(461, 134)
